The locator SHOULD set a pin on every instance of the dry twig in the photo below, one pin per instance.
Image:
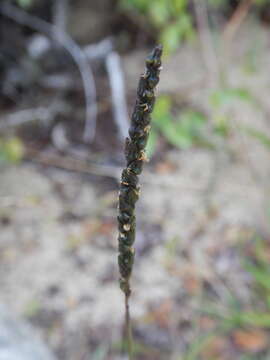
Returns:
(116, 78)
(23, 18)
(208, 51)
(236, 20)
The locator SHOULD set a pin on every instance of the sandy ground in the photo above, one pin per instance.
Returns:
(58, 236)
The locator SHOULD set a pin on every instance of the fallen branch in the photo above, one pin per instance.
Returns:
(99, 50)
(236, 20)
(60, 14)
(59, 138)
(233, 26)
(116, 78)
(208, 51)
(86, 166)
(41, 113)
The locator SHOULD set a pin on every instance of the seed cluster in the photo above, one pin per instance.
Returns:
(135, 157)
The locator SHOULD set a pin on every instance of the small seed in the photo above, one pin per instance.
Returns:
(147, 128)
(126, 227)
(144, 75)
(143, 156)
(145, 107)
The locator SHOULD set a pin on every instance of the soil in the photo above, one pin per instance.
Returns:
(197, 208)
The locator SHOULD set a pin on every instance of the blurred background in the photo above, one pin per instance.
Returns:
(201, 280)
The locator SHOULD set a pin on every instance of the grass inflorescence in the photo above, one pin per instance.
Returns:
(135, 157)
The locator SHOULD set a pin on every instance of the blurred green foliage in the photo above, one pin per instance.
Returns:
(259, 267)
(11, 150)
(24, 3)
(182, 130)
(170, 18)
(263, 138)
(221, 100)
(255, 313)
(195, 348)
(174, 20)
(227, 95)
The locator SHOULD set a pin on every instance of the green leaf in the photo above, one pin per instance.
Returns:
(14, 149)
(179, 6)
(188, 128)
(139, 5)
(260, 319)
(173, 34)
(260, 274)
(192, 121)
(226, 96)
(186, 30)
(198, 345)
(242, 94)
(162, 107)
(24, 3)
(181, 132)
(222, 125)
(159, 13)
(171, 38)
(11, 150)
(263, 138)
(177, 136)
(260, 2)
(184, 131)
(261, 252)
(151, 143)
(268, 301)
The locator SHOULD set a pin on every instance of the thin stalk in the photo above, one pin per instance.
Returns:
(129, 188)
(128, 329)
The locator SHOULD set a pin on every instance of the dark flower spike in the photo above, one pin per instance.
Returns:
(135, 157)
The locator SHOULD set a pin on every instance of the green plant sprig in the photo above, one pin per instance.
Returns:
(135, 157)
